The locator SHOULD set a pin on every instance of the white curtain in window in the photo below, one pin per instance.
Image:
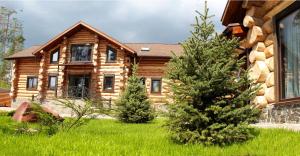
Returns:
(289, 31)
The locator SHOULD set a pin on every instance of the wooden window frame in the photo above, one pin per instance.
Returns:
(27, 82)
(49, 78)
(160, 87)
(74, 44)
(114, 50)
(278, 60)
(51, 56)
(113, 83)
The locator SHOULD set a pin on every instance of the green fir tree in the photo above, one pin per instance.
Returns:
(134, 105)
(211, 90)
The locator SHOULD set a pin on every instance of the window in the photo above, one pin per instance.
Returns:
(111, 54)
(288, 33)
(54, 56)
(81, 52)
(52, 82)
(108, 85)
(32, 82)
(155, 85)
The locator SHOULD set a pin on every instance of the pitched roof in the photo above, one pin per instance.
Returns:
(28, 52)
(76, 27)
(156, 49)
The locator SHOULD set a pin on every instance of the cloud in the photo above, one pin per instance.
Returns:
(166, 21)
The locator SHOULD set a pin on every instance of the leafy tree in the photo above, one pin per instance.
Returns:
(134, 105)
(11, 40)
(210, 88)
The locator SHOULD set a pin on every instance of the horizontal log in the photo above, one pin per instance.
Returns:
(268, 27)
(270, 63)
(277, 8)
(269, 51)
(255, 34)
(259, 46)
(270, 80)
(254, 11)
(270, 94)
(256, 56)
(250, 21)
(269, 40)
(262, 88)
(259, 72)
(260, 101)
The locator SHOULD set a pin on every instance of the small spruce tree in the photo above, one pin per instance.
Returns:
(211, 90)
(134, 105)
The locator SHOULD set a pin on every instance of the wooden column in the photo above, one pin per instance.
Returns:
(14, 80)
(96, 64)
(42, 76)
(61, 68)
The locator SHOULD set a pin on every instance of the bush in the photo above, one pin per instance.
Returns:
(134, 105)
(211, 90)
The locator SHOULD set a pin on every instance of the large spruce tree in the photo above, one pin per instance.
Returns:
(211, 90)
(134, 105)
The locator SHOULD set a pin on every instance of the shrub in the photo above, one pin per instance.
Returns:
(134, 105)
(211, 90)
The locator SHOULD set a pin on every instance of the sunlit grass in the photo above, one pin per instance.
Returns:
(110, 137)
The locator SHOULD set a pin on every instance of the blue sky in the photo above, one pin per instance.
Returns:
(155, 21)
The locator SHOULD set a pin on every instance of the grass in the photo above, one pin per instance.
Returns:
(110, 137)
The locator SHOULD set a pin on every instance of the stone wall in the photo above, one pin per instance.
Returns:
(289, 113)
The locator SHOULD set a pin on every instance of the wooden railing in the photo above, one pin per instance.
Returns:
(5, 99)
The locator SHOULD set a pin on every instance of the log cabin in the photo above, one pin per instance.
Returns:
(83, 61)
(269, 32)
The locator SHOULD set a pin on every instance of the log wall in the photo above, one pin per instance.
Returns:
(26, 67)
(155, 68)
(260, 37)
(98, 67)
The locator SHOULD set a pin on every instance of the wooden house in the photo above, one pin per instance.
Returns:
(85, 62)
(269, 32)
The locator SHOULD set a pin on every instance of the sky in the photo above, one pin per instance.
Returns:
(141, 21)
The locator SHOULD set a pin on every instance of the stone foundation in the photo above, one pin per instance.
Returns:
(289, 113)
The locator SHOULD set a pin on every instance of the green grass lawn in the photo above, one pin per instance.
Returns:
(110, 137)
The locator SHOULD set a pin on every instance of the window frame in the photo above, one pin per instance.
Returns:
(160, 87)
(113, 83)
(49, 78)
(27, 82)
(51, 56)
(278, 60)
(114, 50)
(78, 44)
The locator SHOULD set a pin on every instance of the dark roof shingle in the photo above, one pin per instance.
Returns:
(156, 49)
(28, 52)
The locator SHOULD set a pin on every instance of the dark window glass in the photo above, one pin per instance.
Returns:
(52, 82)
(155, 85)
(54, 56)
(289, 45)
(32, 82)
(81, 52)
(108, 84)
(111, 54)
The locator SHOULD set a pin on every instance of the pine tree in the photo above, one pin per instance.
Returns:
(134, 105)
(211, 90)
